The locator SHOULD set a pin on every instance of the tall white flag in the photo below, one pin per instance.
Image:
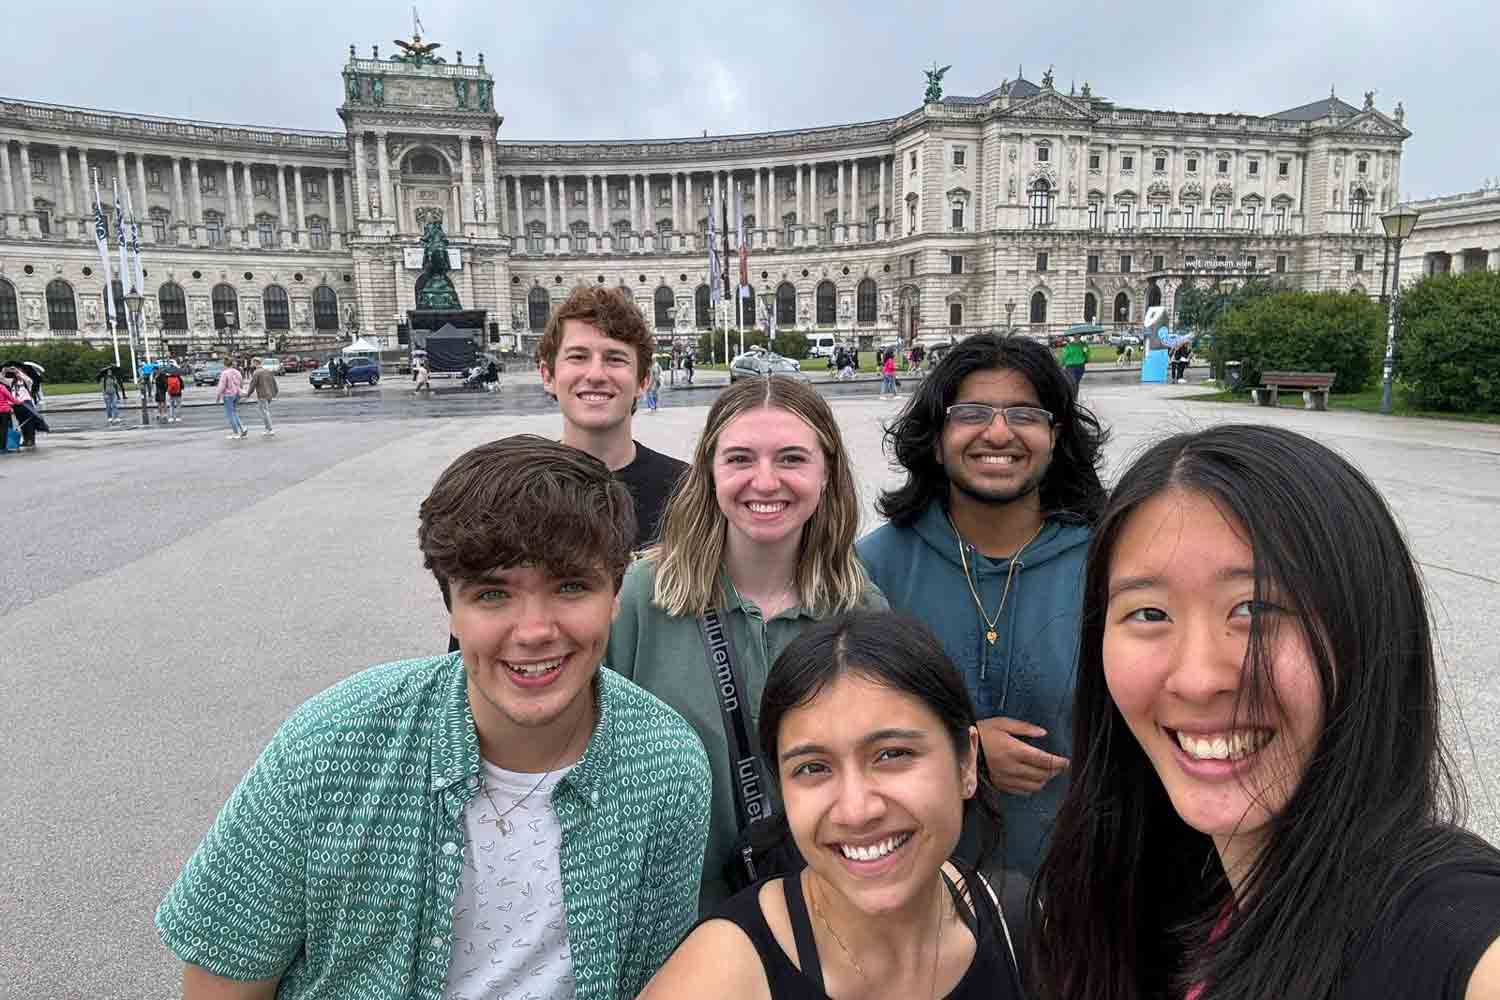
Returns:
(101, 237)
(126, 278)
(135, 244)
(715, 274)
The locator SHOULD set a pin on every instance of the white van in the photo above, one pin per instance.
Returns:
(820, 345)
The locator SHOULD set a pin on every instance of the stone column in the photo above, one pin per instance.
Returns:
(9, 207)
(855, 218)
(86, 202)
(358, 168)
(692, 210)
(635, 214)
(456, 203)
(332, 226)
(840, 208)
(676, 212)
(299, 231)
(179, 205)
(465, 189)
(798, 237)
(283, 239)
(382, 162)
(196, 200)
(1493, 261)
(520, 234)
(249, 191)
(350, 227)
(142, 210)
(550, 240)
(1456, 262)
(588, 198)
(70, 209)
(491, 200)
(235, 233)
(28, 210)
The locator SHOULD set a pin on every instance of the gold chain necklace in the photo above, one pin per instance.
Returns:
(937, 947)
(990, 634)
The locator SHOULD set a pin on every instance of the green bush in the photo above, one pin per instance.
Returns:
(789, 343)
(1449, 351)
(1302, 331)
(65, 361)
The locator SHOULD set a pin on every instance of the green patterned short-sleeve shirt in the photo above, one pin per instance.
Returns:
(336, 860)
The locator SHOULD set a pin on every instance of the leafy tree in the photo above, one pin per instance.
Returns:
(1302, 331)
(1449, 351)
(1199, 307)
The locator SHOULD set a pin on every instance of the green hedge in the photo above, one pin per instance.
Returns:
(1303, 331)
(66, 361)
(789, 343)
(1448, 355)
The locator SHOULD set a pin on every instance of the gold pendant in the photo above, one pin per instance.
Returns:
(504, 826)
(992, 636)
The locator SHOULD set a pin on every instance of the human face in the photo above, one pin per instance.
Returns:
(595, 379)
(1181, 603)
(994, 464)
(532, 643)
(769, 474)
(869, 771)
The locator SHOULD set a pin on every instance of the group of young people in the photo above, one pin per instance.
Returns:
(1027, 738)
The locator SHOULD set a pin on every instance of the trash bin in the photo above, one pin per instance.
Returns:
(1232, 375)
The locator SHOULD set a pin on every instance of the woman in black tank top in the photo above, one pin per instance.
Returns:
(872, 739)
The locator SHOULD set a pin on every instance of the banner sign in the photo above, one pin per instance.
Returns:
(413, 258)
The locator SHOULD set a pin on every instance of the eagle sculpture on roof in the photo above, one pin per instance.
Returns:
(417, 52)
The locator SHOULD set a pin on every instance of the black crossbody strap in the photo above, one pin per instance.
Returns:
(750, 800)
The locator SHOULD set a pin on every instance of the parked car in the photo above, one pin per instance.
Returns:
(759, 361)
(207, 373)
(273, 365)
(1120, 340)
(361, 370)
(291, 363)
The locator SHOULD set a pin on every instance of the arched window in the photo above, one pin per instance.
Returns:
(827, 301)
(325, 309)
(62, 310)
(1041, 203)
(1090, 307)
(866, 297)
(1122, 308)
(786, 305)
(10, 312)
(664, 302)
(1038, 307)
(701, 318)
(226, 305)
(1153, 295)
(538, 308)
(173, 306)
(278, 316)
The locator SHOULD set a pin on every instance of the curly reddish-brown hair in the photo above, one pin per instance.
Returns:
(526, 501)
(610, 311)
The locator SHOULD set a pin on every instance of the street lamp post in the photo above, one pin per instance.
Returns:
(133, 301)
(1398, 224)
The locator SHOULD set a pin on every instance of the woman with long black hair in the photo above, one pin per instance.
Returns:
(1262, 805)
(873, 742)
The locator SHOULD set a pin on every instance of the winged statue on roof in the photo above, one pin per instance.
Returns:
(934, 83)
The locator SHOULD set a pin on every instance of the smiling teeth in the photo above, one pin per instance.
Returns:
(998, 460)
(873, 852)
(1224, 746)
(535, 669)
(767, 508)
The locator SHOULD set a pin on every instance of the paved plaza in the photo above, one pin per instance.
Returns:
(169, 600)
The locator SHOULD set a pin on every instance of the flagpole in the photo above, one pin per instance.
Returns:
(724, 256)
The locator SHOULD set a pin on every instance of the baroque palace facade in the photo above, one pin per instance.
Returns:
(1024, 206)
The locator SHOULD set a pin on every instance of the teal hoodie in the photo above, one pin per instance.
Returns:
(1028, 674)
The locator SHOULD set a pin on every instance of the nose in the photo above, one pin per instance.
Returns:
(536, 624)
(859, 803)
(765, 476)
(1206, 662)
(998, 432)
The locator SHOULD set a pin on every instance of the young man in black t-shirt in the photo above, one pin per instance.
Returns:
(595, 359)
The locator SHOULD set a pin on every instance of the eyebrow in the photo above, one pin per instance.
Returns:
(879, 736)
(782, 450)
(1231, 574)
(1000, 404)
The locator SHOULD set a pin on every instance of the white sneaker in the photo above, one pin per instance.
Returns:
(244, 434)
(232, 436)
(269, 433)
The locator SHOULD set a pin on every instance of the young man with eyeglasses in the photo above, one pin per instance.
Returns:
(508, 820)
(985, 543)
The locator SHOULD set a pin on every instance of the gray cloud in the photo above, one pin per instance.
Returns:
(570, 70)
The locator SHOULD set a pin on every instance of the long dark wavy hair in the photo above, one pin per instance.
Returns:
(1072, 482)
(1130, 893)
(892, 650)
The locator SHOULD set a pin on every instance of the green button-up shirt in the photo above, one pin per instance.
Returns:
(665, 655)
(336, 861)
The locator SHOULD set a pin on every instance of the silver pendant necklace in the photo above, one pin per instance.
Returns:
(502, 824)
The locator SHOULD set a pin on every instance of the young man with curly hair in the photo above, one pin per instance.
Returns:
(509, 819)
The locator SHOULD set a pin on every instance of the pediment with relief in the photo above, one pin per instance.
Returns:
(1050, 105)
(1374, 123)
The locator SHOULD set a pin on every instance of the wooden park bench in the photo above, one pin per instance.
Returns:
(1315, 386)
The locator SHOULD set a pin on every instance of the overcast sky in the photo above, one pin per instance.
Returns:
(651, 69)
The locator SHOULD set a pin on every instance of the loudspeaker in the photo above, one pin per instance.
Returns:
(403, 334)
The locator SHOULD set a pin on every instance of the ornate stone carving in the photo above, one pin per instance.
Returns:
(374, 204)
(91, 312)
(1338, 166)
(1011, 188)
(350, 313)
(1369, 100)
(1047, 79)
(377, 90)
(34, 311)
(1400, 113)
(485, 90)
(461, 93)
(1192, 189)
(480, 211)
(934, 92)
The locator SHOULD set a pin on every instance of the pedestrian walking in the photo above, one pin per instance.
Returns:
(687, 366)
(1181, 355)
(159, 389)
(263, 384)
(38, 376)
(1075, 357)
(112, 386)
(228, 393)
(888, 374)
(423, 378)
(28, 420)
(7, 407)
(653, 389)
(174, 396)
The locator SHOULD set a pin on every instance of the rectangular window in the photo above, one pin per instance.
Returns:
(1127, 163)
(1124, 263)
(1093, 263)
(1192, 164)
(209, 182)
(1280, 220)
(1158, 262)
(44, 222)
(1043, 153)
(153, 179)
(1161, 164)
(911, 266)
(955, 264)
(1250, 263)
(1254, 168)
(1187, 216)
(1364, 166)
(313, 190)
(958, 217)
(264, 232)
(1125, 216)
(1094, 207)
(914, 159)
(1158, 216)
(159, 228)
(1223, 166)
(1251, 214)
(1281, 263)
(1359, 263)
(958, 157)
(1041, 261)
(1093, 161)
(1219, 216)
(1284, 168)
(215, 230)
(262, 184)
(955, 314)
(317, 236)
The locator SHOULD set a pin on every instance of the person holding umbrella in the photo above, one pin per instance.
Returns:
(7, 404)
(37, 373)
(18, 381)
(112, 385)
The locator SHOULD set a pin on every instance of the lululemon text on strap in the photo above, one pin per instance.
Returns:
(750, 800)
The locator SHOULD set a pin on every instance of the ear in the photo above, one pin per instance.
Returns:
(549, 378)
(969, 768)
(614, 607)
